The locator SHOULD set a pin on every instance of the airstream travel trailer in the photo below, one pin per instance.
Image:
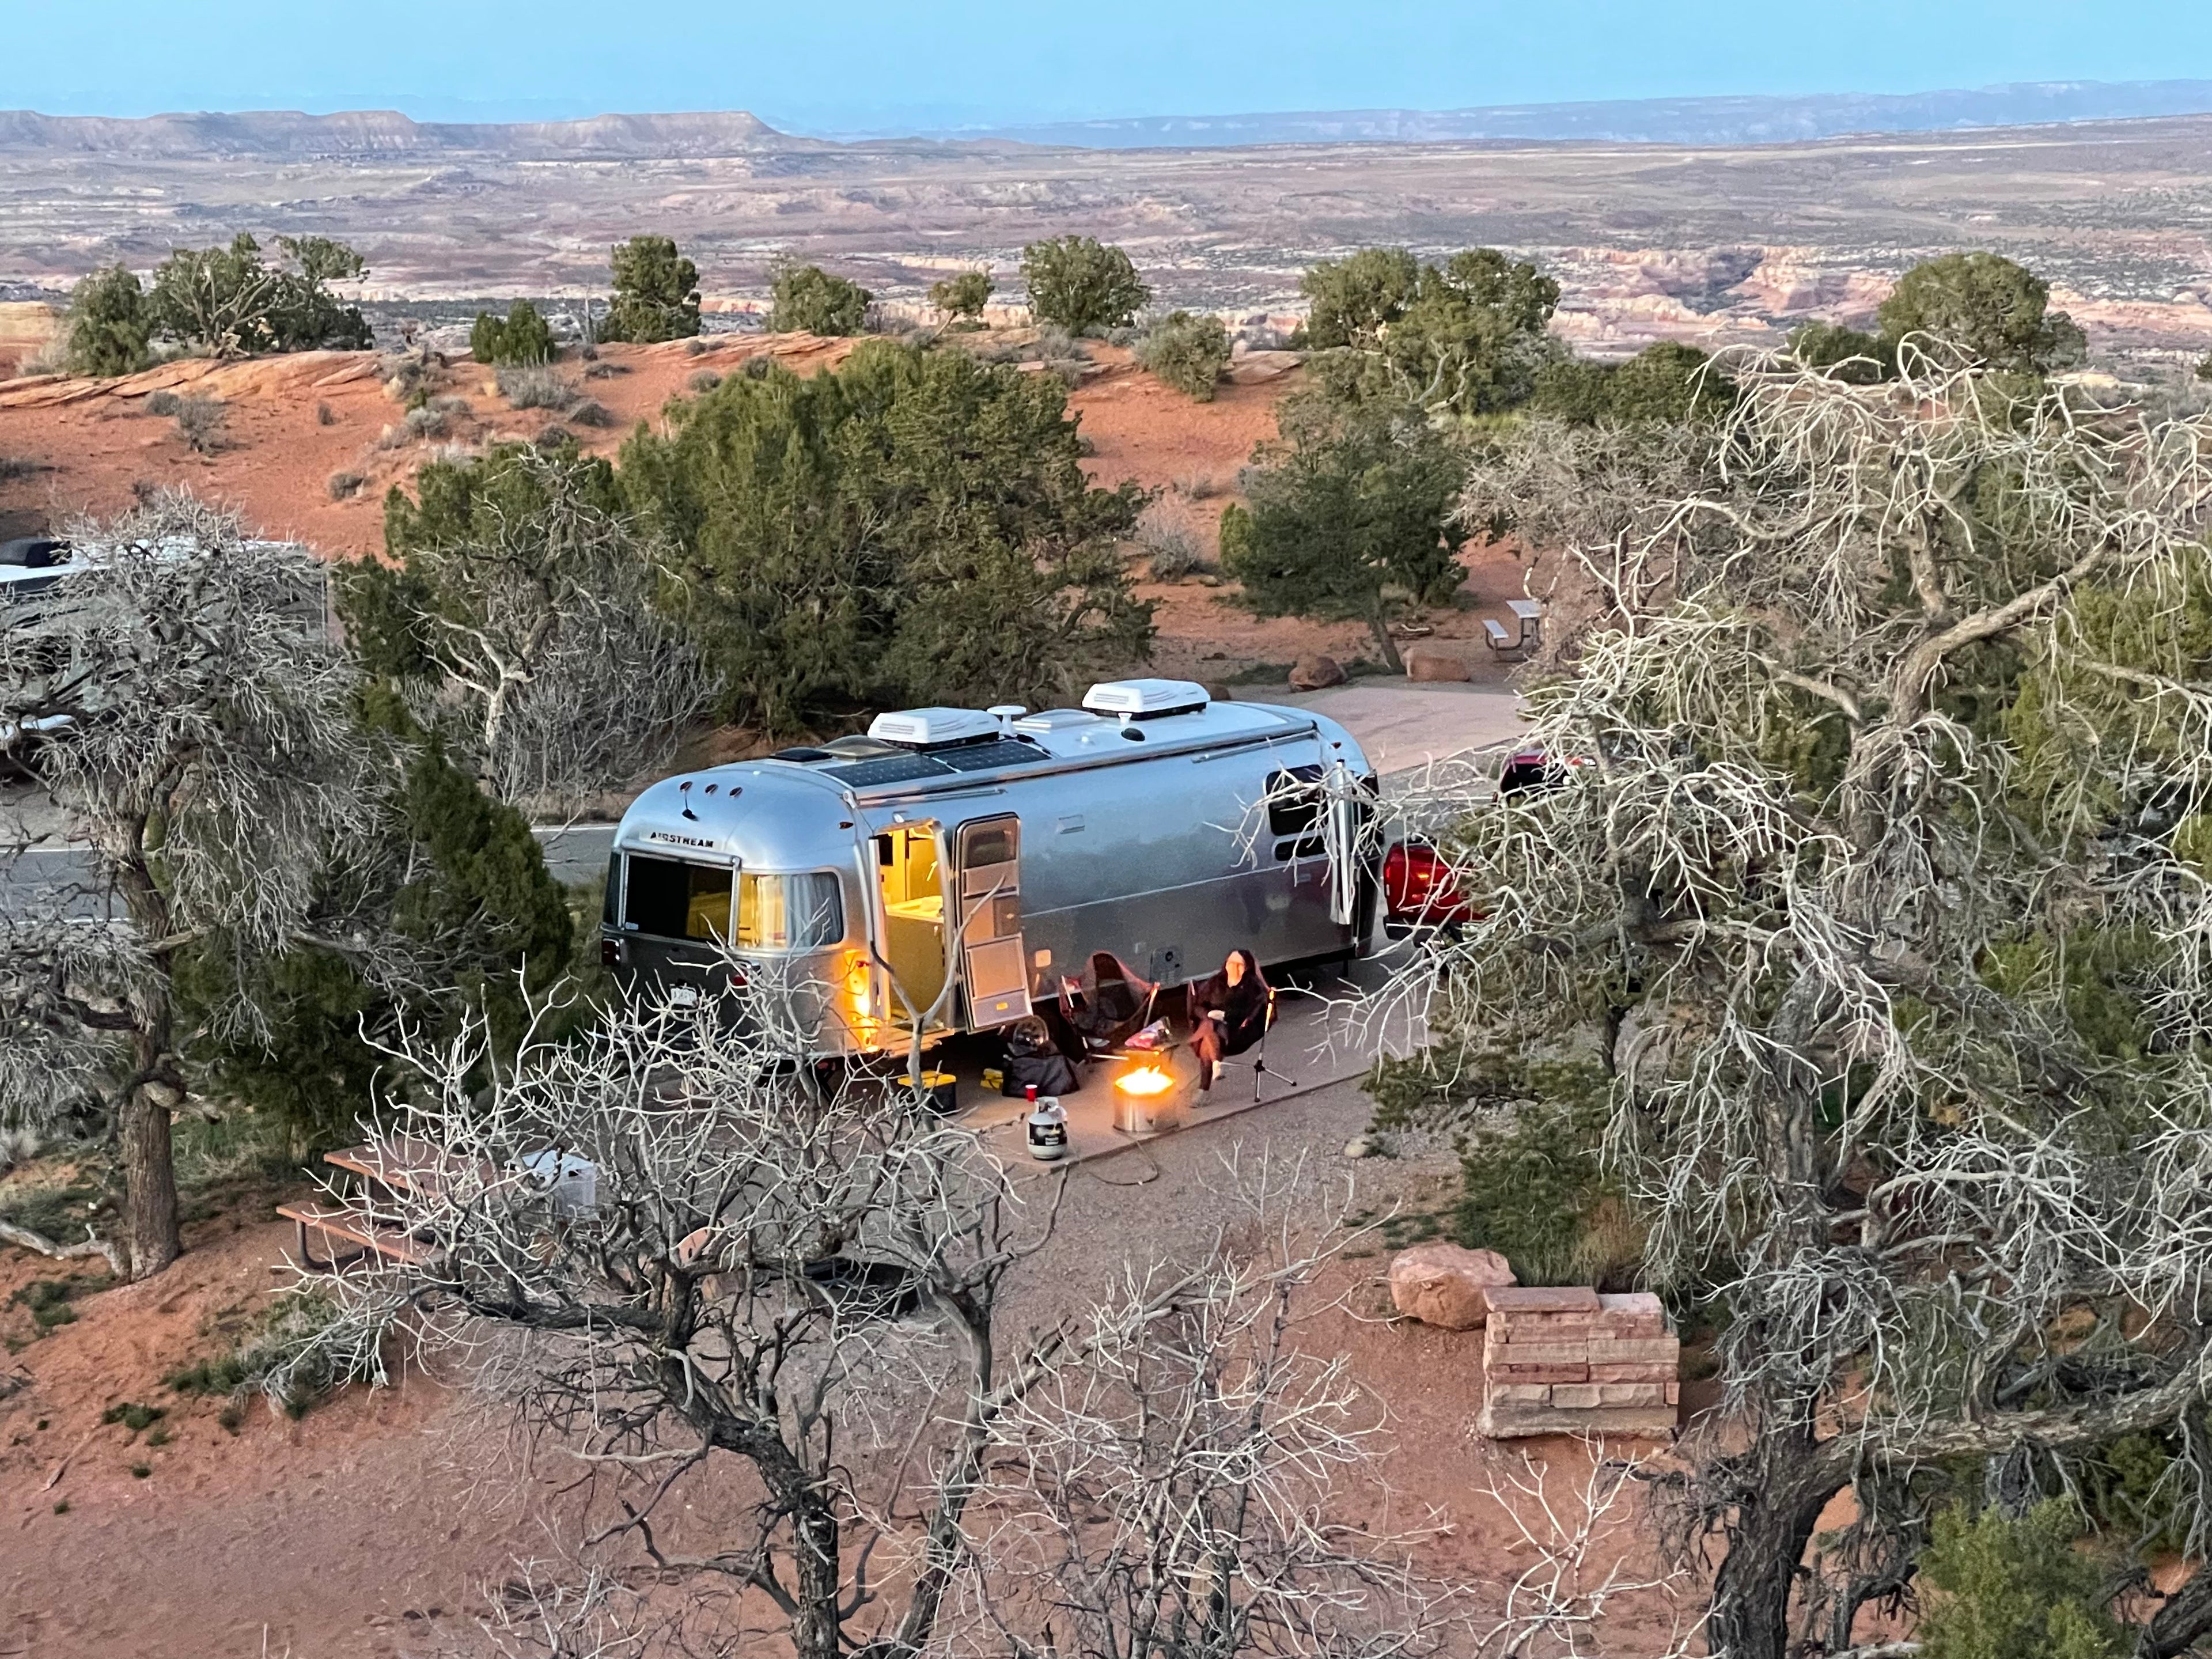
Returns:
(952, 865)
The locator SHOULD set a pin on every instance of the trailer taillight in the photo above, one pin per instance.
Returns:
(610, 953)
(1419, 887)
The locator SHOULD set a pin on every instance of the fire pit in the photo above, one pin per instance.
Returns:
(1146, 1098)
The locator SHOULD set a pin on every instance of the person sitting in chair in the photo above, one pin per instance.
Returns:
(1228, 1013)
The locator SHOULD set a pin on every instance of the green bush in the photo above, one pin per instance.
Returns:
(963, 296)
(519, 338)
(1189, 351)
(108, 328)
(2014, 1589)
(809, 301)
(656, 293)
(914, 526)
(1082, 284)
(1665, 383)
(1850, 356)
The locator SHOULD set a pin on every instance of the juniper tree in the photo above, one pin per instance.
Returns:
(1873, 891)
(656, 293)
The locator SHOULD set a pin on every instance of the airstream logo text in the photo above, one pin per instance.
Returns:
(679, 840)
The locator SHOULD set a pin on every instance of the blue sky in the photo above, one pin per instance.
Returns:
(874, 65)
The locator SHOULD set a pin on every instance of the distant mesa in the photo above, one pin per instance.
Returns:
(1747, 120)
(278, 134)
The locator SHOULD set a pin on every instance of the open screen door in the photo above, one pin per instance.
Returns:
(993, 965)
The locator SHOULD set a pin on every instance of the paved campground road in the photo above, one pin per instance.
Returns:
(1401, 726)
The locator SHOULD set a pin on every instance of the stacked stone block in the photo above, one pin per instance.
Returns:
(1570, 1361)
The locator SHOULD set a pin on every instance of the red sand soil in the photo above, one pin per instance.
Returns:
(295, 423)
(372, 1526)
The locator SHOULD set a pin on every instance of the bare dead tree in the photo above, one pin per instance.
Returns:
(191, 713)
(1871, 872)
(1179, 1485)
(1594, 1583)
(778, 1274)
(545, 655)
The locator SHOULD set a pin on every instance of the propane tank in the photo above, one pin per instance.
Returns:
(1047, 1126)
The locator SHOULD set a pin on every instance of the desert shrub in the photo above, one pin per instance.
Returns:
(703, 379)
(555, 436)
(163, 404)
(133, 1416)
(521, 336)
(1172, 549)
(810, 299)
(2204, 368)
(325, 416)
(592, 412)
(1188, 350)
(1531, 1189)
(229, 301)
(425, 421)
(200, 422)
(1082, 284)
(11, 468)
(280, 1356)
(2014, 1589)
(536, 386)
(344, 486)
(963, 296)
(697, 346)
(1199, 486)
(656, 293)
(108, 330)
(605, 371)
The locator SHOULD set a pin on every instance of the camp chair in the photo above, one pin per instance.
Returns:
(1109, 1004)
(1254, 1055)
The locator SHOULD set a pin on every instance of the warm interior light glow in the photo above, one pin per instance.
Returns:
(1144, 1080)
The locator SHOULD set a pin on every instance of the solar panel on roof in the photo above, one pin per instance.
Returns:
(982, 757)
(892, 769)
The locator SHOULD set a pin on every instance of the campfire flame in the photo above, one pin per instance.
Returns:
(1144, 1080)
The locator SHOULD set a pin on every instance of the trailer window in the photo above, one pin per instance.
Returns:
(1293, 801)
(675, 900)
(789, 913)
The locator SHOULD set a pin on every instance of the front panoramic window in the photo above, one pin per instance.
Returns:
(675, 900)
(790, 913)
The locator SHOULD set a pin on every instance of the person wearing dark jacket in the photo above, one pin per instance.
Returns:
(1228, 1013)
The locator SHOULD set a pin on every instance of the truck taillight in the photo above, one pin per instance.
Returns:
(610, 953)
(1419, 887)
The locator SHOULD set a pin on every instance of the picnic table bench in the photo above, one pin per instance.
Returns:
(400, 1166)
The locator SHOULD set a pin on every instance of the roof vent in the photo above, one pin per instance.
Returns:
(1145, 700)
(934, 728)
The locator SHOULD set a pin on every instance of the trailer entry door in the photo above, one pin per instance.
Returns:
(993, 963)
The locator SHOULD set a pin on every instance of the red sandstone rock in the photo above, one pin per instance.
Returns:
(1444, 1284)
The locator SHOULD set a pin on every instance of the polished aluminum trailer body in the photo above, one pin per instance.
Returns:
(951, 868)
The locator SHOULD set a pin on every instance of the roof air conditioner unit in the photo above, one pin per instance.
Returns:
(1144, 700)
(933, 728)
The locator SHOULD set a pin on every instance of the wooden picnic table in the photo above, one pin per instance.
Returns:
(401, 1165)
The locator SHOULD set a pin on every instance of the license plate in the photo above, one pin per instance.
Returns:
(683, 996)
